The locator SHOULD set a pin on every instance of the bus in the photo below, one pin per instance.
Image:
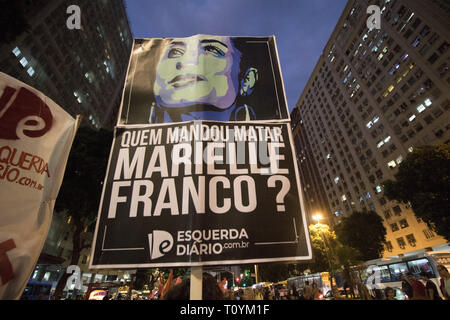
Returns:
(387, 272)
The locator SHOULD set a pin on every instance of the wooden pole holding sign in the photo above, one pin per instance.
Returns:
(196, 283)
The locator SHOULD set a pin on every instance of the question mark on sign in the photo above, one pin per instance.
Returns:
(285, 186)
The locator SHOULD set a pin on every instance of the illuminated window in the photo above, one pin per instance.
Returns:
(411, 240)
(420, 108)
(391, 87)
(378, 188)
(16, 51)
(336, 180)
(344, 198)
(329, 156)
(401, 243)
(428, 102)
(403, 223)
(30, 71)
(394, 227)
(380, 144)
(391, 164)
(380, 56)
(412, 117)
(399, 159)
(410, 149)
(386, 140)
(23, 61)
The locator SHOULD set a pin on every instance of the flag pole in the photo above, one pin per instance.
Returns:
(196, 283)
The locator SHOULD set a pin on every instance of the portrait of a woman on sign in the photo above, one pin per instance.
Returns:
(203, 77)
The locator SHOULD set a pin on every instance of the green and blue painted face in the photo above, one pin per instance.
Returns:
(199, 70)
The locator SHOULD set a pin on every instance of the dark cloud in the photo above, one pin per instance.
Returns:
(302, 27)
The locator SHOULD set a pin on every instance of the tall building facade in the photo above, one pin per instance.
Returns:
(83, 70)
(374, 96)
(314, 196)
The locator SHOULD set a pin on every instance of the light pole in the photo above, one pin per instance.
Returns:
(318, 216)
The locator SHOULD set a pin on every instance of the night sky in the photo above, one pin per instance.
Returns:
(302, 27)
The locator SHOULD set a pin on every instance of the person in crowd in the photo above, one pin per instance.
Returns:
(294, 293)
(181, 291)
(389, 293)
(258, 295)
(444, 281)
(406, 286)
(277, 294)
(431, 289)
(266, 293)
(308, 291)
(317, 293)
(418, 288)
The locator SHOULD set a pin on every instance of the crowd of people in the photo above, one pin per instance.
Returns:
(413, 287)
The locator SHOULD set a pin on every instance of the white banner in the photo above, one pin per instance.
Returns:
(35, 140)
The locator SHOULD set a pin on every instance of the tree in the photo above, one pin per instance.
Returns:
(324, 243)
(423, 180)
(81, 189)
(274, 272)
(363, 231)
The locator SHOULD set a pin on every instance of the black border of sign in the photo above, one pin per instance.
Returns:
(97, 242)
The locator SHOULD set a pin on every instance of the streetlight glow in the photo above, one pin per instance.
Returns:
(317, 217)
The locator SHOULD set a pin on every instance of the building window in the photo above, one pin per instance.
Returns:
(411, 240)
(433, 58)
(16, 51)
(401, 243)
(387, 214)
(428, 233)
(389, 246)
(397, 210)
(23, 62)
(30, 71)
(404, 224)
(420, 108)
(391, 164)
(394, 227)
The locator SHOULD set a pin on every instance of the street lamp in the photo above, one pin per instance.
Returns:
(317, 217)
